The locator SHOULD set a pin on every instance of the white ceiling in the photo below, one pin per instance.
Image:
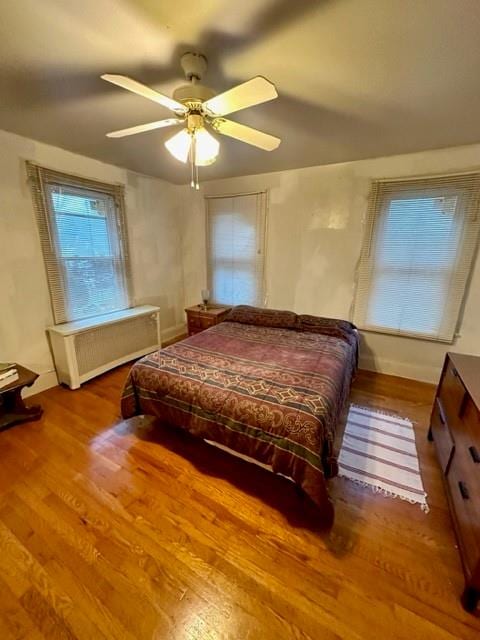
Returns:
(356, 78)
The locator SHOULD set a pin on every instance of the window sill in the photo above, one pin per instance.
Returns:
(77, 326)
(405, 334)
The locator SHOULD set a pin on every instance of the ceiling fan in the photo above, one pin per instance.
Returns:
(198, 109)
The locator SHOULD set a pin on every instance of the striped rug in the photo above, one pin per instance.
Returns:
(378, 450)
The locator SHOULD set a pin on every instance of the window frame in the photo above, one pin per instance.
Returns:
(40, 178)
(261, 241)
(408, 187)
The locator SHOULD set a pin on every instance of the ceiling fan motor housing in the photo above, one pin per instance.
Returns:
(193, 94)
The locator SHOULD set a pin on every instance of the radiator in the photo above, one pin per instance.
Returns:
(86, 348)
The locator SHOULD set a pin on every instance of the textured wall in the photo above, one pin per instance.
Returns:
(153, 215)
(315, 231)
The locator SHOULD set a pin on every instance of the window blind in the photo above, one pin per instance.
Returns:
(84, 242)
(236, 248)
(421, 238)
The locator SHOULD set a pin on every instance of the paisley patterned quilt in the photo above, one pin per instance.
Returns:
(274, 394)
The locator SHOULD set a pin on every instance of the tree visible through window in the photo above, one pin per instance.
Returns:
(84, 243)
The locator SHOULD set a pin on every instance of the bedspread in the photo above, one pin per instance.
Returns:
(274, 394)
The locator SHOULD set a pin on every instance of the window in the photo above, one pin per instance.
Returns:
(235, 248)
(83, 236)
(416, 260)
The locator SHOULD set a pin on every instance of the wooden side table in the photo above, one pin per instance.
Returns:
(12, 407)
(199, 319)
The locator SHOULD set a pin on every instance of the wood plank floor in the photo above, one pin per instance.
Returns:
(114, 531)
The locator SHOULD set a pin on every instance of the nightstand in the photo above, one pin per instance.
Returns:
(199, 319)
(12, 407)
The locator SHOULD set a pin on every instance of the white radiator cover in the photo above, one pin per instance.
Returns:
(86, 348)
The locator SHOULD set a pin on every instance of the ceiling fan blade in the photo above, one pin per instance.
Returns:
(140, 128)
(144, 91)
(248, 94)
(246, 134)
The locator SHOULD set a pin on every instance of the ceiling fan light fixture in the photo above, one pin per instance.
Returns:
(179, 145)
(206, 147)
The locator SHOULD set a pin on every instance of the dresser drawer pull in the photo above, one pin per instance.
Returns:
(474, 453)
(463, 490)
(454, 372)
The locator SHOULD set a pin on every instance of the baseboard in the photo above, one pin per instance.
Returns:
(423, 373)
(173, 332)
(44, 381)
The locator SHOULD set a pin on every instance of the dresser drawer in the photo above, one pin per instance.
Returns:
(452, 394)
(208, 321)
(442, 436)
(465, 497)
(200, 322)
(466, 434)
(470, 418)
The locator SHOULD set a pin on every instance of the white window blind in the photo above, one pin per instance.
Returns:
(417, 257)
(236, 248)
(84, 243)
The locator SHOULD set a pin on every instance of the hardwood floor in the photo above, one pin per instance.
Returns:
(110, 530)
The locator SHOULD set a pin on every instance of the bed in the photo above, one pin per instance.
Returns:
(266, 384)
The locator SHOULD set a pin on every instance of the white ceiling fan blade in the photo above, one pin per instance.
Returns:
(248, 94)
(140, 128)
(246, 134)
(144, 91)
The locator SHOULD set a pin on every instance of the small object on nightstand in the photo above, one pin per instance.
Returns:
(8, 373)
(205, 298)
(12, 408)
(200, 318)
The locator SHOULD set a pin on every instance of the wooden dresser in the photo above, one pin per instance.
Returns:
(455, 428)
(199, 319)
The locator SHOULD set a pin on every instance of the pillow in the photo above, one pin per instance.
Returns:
(263, 317)
(341, 329)
(316, 324)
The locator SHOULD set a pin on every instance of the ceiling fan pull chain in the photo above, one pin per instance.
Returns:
(192, 162)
